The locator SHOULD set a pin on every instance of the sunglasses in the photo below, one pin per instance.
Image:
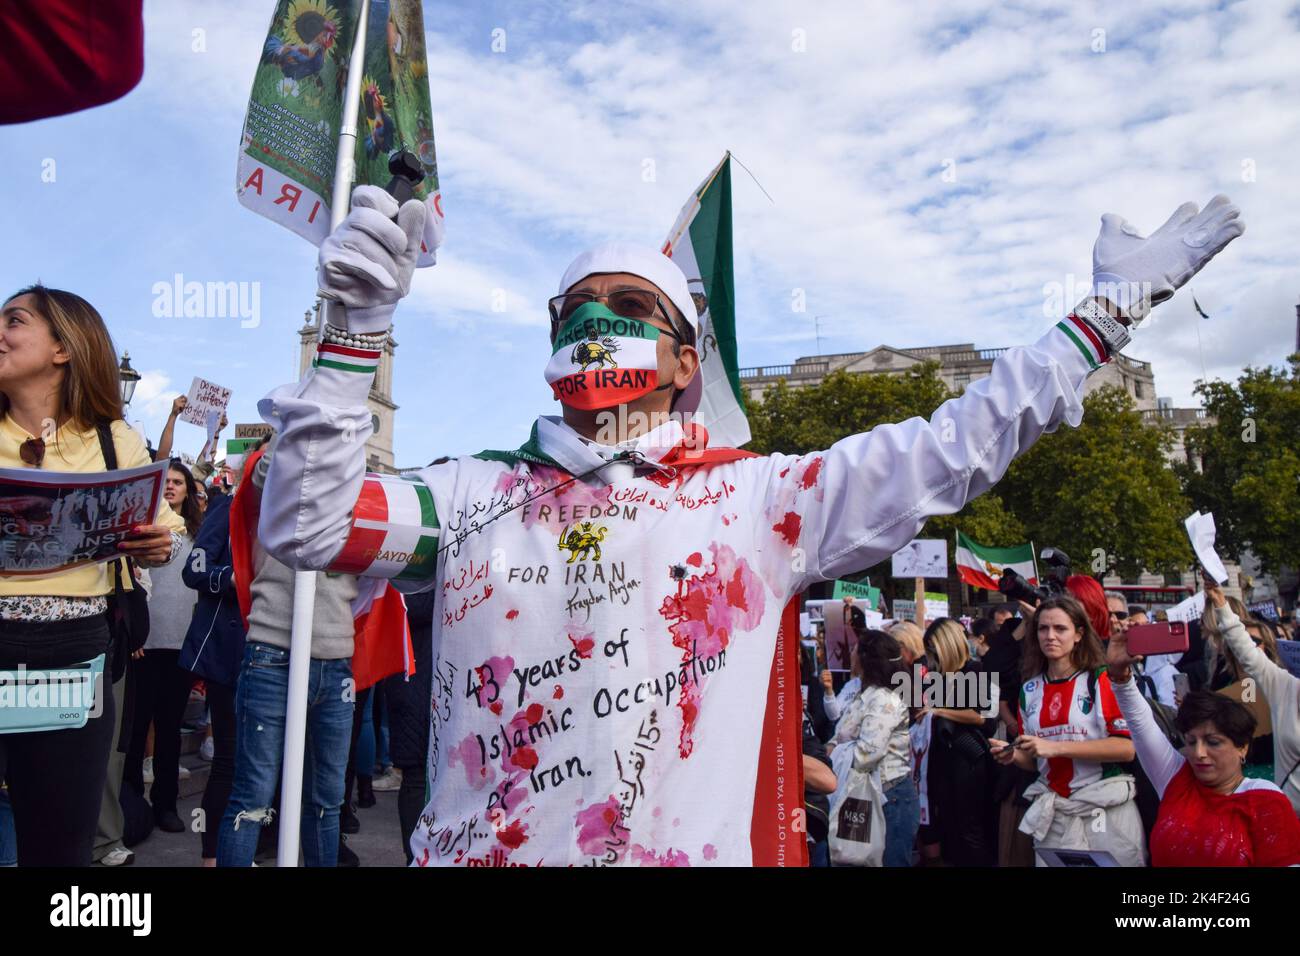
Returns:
(32, 451)
(1119, 614)
(626, 303)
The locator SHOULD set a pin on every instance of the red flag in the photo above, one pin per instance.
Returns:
(778, 828)
(381, 635)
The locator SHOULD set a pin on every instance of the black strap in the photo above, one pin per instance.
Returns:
(106, 446)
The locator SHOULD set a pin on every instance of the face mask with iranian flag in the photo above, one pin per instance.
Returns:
(602, 360)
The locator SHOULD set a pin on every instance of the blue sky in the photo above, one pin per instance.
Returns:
(849, 114)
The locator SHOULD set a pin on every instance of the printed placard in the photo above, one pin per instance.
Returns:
(53, 521)
(921, 558)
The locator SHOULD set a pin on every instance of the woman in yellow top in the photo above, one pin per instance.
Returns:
(58, 378)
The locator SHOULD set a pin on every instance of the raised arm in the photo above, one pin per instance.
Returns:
(164, 451)
(869, 494)
(317, 469)
(1271, 677)
(1158, 757)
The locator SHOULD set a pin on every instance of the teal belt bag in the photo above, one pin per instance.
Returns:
(50, 698)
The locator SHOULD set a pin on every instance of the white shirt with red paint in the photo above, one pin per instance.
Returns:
(1063, 711)
(600, 698)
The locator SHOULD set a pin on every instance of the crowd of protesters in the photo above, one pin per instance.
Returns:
(1070, 748)
(1184, 759)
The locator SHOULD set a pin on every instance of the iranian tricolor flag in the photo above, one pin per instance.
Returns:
(394, 530)
(981, 567)
(700, 243)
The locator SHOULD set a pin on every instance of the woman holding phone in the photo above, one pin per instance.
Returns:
(58, 386)
(1072, 732)
(1211, 813)
(1277, 685)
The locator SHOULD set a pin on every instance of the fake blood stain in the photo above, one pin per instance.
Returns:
(513, 836)
(703, 615)
(788, 528)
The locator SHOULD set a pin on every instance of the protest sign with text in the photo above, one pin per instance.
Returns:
(52, 522)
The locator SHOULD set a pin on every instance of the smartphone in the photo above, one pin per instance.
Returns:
(1169, 637)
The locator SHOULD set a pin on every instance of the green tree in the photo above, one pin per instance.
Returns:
(1245, 466)
(1103, 491)
(795, 421)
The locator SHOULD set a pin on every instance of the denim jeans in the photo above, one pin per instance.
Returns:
(8, 841)
(902, 817)
(260, 697)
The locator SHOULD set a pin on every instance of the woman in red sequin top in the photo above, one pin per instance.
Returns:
(1210, 813)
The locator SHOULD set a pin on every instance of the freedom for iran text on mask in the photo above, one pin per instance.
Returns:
(580, 329)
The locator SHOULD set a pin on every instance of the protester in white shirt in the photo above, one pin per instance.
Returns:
(617, 581)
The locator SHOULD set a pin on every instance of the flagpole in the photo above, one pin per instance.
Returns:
(304, 582)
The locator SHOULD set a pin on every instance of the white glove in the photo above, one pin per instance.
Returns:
(1135, 272)
(367, 262)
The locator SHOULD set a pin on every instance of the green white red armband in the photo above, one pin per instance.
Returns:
(1086, 340)
(344, 358)
(394, 532)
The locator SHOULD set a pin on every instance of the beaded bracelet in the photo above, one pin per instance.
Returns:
(374, 341)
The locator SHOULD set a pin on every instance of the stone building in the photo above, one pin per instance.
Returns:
(959, 365)
(379, 447)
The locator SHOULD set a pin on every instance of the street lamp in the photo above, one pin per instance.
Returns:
(127, 376)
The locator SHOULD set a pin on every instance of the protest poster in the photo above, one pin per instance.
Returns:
(861, 592)
(936, 606)
(53, 521)
(253, 430)
(204, 397)
(1289, 653)
(1264, 609)
(1189, 610)
(921, 558)
(839, 638)
(240, 446)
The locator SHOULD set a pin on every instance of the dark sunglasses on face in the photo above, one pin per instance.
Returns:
(627, 303)
(1119, 614)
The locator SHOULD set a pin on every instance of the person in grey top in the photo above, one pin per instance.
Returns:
(261, 695)
(161, 686)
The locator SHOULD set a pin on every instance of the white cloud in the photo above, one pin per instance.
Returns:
(543, 150)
